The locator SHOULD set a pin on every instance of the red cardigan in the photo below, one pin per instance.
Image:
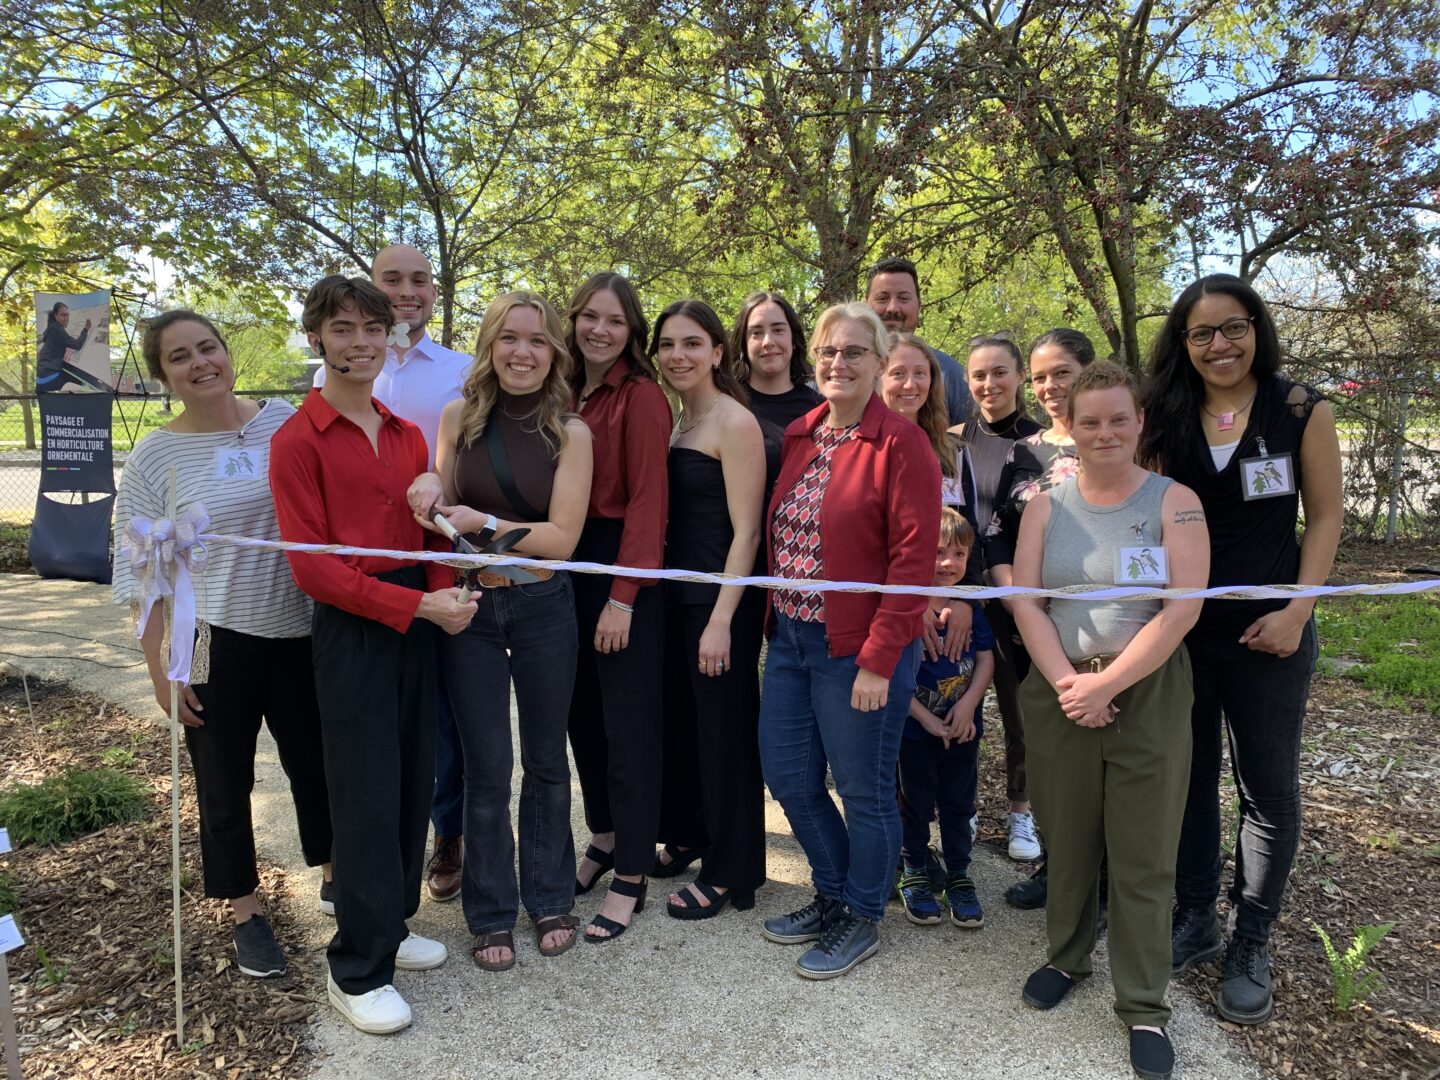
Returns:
(879, 522)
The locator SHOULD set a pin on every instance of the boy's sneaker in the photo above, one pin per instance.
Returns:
(257, 954)
(921, 907)
(327, 898)
(1024, 844)
(965, 910)
(807, 924)
(849, 940)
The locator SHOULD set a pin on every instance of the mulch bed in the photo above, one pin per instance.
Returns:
(1370, 854)
(101, 1002)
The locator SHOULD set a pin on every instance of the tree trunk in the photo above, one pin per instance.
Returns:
(27, 416)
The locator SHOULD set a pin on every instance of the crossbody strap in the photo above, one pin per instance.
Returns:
(504, 476)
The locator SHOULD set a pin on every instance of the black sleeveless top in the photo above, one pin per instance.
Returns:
(532, 462)
(699, 534)
(1251, 542)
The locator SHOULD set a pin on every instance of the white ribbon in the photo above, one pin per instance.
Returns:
(163, 554)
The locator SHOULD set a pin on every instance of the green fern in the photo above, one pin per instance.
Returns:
(1353, 984)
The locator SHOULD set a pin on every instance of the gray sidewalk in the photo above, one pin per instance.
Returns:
(669, 999)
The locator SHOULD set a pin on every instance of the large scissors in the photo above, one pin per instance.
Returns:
(499, 545)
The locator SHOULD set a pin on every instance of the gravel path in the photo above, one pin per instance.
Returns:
(670, 999)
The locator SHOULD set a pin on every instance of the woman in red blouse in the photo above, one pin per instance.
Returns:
(858, 499)
(615, 712)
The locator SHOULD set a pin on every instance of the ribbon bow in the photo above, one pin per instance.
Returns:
(163, 554)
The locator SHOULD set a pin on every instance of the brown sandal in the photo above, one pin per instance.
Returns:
(549, 926)
(501, 939)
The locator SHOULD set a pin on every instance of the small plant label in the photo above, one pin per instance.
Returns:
(10, 938)
(4, 841)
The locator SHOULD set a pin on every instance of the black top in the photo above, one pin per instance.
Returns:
(699, 534)
(776, 412)
(989, 447)
(1251, 542)
(52, 348)
(1032, 466)
(532, 462)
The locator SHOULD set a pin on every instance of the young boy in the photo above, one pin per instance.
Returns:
(939, 755)
(339, 470)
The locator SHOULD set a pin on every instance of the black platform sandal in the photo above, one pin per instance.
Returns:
(612, 928)
(606, 859)
(680, 860)
(690, 908)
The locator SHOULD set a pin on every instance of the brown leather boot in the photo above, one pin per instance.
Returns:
(442, 876)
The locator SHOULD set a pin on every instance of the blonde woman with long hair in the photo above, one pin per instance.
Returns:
(511, 455)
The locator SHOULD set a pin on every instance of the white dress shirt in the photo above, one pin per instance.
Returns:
(419, 387)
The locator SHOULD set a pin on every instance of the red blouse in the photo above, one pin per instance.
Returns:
(630, 421)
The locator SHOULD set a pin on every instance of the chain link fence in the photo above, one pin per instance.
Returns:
(132, 416)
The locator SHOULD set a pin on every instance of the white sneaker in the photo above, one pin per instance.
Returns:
(418, 953)
(974, 827)
(1024, 844)
(377, 1012)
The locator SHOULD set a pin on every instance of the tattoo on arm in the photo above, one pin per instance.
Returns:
(1183, 517)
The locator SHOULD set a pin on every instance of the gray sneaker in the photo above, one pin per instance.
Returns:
(807, 924)
(849, 940)
(327, 898)
(256, 952)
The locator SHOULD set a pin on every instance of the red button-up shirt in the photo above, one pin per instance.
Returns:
(630, 421)
(332, 487)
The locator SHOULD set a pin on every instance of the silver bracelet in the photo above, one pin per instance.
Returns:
(622, 607)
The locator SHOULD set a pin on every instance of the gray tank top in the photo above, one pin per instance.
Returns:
(1082, 547)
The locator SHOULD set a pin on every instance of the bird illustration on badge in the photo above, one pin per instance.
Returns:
(239, 464)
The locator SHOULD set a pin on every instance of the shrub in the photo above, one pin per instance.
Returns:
(8, 900)
(76, 802)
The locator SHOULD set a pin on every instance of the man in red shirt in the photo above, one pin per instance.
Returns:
(339, 470)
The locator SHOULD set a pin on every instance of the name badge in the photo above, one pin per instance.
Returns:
(239, 464)
(1266, 477)
(1142, 566)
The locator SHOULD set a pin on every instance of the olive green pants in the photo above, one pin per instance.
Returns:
(1120, 789)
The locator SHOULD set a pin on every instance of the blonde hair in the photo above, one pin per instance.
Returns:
(955, 531)
(855, 312)
(1102, 375)
(934, 415)
(482, 385)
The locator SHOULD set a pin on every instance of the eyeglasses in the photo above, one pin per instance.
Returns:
(1233, 329)
(850, 354)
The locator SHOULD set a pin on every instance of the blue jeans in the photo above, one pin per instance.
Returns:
(806, 723)
(536, 624)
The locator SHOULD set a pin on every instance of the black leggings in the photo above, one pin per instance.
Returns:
(713, 795)
(615, 711)
(253, 678)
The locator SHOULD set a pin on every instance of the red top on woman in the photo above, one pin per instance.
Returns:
(630, 421)
(879, 522)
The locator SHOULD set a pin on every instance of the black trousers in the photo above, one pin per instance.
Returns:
(712, 794)
(615, 712)
(1012, 664)
(254, 678)
(377, 709)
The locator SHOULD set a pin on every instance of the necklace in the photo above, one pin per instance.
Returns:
(680, 423)
(990, 429)
(1226, 420)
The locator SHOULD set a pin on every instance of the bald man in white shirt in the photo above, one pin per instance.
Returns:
(417, 382)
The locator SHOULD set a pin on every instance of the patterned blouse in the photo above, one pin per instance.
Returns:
(1032, 466)
(797, 527)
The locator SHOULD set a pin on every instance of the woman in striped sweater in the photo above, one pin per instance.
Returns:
(256, 621)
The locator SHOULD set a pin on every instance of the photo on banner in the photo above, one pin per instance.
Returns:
(72, 333)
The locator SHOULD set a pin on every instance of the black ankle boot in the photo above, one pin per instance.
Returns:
(1194, 938)
(1245, 995)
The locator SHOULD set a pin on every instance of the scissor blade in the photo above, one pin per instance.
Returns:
(499, 546)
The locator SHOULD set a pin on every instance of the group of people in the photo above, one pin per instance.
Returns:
(885, 462)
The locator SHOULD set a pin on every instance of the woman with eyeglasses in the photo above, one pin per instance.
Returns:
(1222, 420)
(858, 499)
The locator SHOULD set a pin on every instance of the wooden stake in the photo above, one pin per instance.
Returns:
(175, 805)
(7, 1024)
